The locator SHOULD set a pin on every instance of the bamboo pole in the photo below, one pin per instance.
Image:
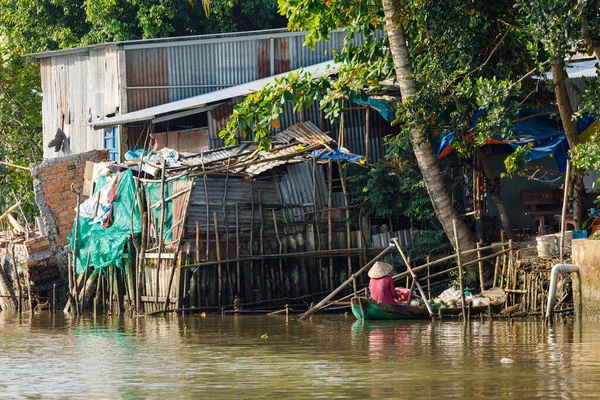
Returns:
(237, 248)
(330, 219)
(15, 206)
(141, 262)
(503, 276)
(348, 229)
(161, 229)
(251, 244)
(460, 270)
(176, 262)
(75, 245)
(428, 279)
(563, 222)
(110, 279)
(207, 207)
(496, 268)
(19, 288)
(14, 166)
(219, 266)
(414, 276)
(367, 134)
(198, 241)
(319, 305)
(261, 242)
(480, 265)
(280, 252)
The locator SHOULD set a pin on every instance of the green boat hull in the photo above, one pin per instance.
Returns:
(368, 309)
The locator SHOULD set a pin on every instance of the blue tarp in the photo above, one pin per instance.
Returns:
(546, 138)
(338, 155)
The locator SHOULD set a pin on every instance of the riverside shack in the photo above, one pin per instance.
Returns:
(266, 227)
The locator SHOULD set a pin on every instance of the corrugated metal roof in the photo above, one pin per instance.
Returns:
(174, 41)
(290, 146)
(320, 69)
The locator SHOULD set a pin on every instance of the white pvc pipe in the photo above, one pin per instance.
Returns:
(557, 269)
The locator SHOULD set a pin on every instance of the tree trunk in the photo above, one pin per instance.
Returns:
(570, 126)
(589, 42)
(428, 164)
(495, 190)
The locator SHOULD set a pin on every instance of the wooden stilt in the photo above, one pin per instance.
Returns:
(330, 219)
(346, 205)
(161, 229)
(237, 248)
(480, 265)
(219, 267)
(414, 276)
(280, 252)
(460, 271)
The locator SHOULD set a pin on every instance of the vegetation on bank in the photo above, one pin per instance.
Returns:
(28, 27)
(450, 61)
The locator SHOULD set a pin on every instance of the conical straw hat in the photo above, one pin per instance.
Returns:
(379, 270)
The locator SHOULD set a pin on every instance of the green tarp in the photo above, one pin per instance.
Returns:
(153, 192)
(106, 245)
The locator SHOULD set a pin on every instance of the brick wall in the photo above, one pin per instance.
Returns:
(53, 195)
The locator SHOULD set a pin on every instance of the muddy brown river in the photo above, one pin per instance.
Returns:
(247, 357)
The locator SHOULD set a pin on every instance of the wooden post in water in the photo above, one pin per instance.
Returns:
(198, 241)
(280, 252)
(367, 133)
(414, 276)
(460, 271)
(141, 263)
(480, 265)
(503, 276)
(563, 222)
(75, 244)
(161, 228)
(428, 278)
(219, 267)
(343, 285)
(496, 267)
(251, 245)
(19, 288)
(330, 219)
(261, 232)
(237, 248)
(347, 209)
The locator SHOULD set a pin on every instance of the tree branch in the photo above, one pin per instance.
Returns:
(525, 31)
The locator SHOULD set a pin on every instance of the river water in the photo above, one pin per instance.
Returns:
(245, 357)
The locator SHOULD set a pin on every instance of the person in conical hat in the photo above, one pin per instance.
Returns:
(381, 285)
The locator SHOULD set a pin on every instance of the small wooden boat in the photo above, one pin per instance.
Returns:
(365, 308)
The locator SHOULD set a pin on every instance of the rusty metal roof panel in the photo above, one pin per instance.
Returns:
(303, 132)
(321, 69)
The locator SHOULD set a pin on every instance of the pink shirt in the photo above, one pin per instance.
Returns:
(383, 289)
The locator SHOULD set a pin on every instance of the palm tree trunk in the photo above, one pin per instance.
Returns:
(428, 164)
(495, 190)
(587, 39)
(570, 126)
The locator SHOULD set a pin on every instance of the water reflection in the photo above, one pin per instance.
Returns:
(275, 357)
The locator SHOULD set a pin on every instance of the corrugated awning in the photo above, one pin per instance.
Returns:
(200, 102)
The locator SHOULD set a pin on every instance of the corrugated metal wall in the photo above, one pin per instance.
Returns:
(77, 88)
(354, 127)
(82, 86)
(295, 191)
(174, 72)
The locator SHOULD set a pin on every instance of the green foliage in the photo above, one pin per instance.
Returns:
(20, 129)
(515, 162)
(32, 26)
(587, 155)
(590, 97)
